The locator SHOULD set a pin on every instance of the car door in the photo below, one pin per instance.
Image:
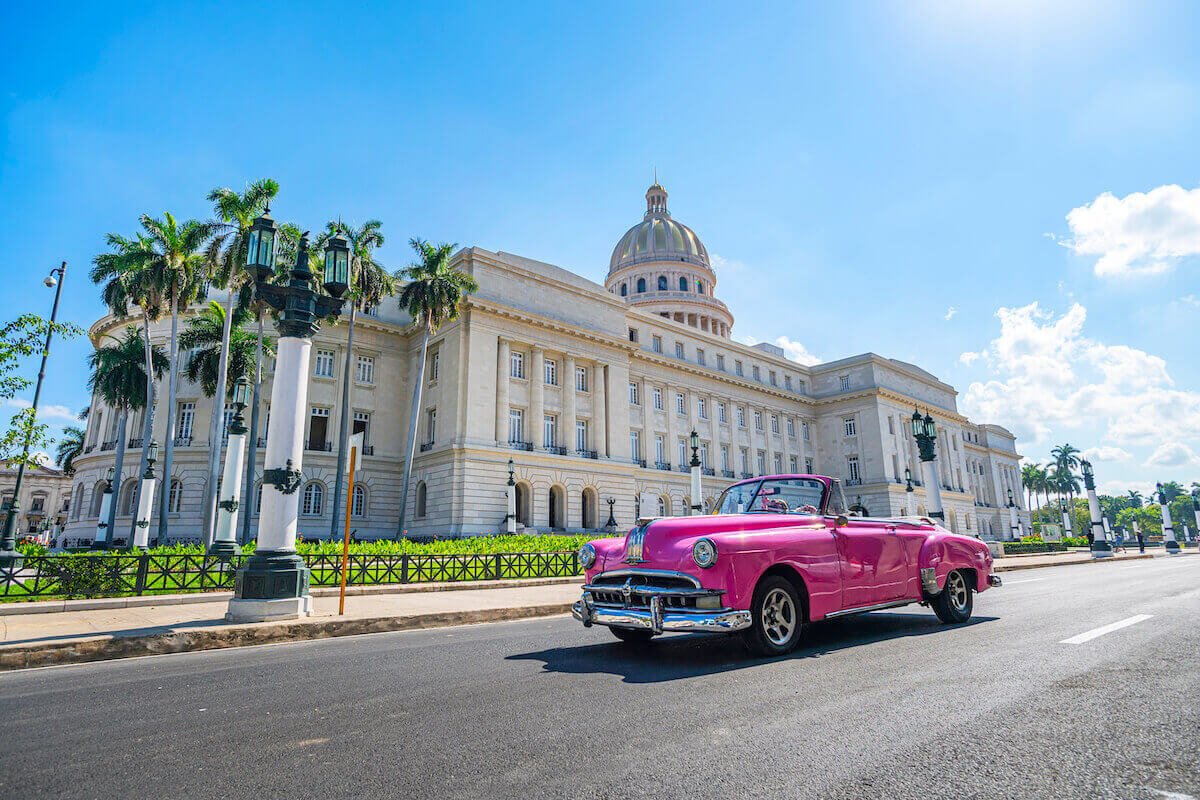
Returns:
(873, 563)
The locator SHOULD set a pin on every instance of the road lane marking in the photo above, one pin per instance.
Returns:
(1097, 632)
(1027, 580)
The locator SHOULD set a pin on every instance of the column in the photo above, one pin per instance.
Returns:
(568, 403)
(537, 406)
(599, 411)
(1100, 546)
(1169, 542)
(503, 356)
(768, 441)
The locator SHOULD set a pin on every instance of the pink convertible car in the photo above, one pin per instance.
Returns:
(777, 554)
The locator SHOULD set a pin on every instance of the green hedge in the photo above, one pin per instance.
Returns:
(1024, 548)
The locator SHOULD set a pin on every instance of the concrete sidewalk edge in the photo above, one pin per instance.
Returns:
(103, 648)
(998, 566)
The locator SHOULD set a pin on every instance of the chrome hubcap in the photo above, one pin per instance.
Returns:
(957, 589)
(779, 617)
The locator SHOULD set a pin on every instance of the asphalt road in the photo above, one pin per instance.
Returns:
(888, 705)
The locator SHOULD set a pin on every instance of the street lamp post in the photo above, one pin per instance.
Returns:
(694, 443)
(510, 519)
(273, 583)
(925, 432)
(101, 542)
(145, 509)
(1169, 543)
(1100, 546)
(1014, 526)
(611, 524)
(909, 508)
(1196, 514)
(9, 557)
(224, 543)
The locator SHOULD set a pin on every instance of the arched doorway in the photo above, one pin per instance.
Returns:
(588, 517)
(557, 508)
(522, 504)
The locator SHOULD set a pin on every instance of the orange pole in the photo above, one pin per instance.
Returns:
(346, 535)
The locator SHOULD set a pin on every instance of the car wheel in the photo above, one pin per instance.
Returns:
(632, 635)
(777, 618)
(954, 602)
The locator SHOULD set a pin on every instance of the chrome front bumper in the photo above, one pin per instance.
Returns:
(657, 620)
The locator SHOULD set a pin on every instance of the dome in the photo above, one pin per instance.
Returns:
(658, 237)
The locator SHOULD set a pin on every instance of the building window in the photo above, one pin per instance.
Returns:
(852, 468)
(662, 283)
(775, 423)
(635, 394)
(720, 362)
(516, 425)
(435, 366)
(725, 458)
(581, 435)
(891, 425)
(680, 405)
(358, 505)
(758, 426)
(679, 350)
(787, 382)
(848, 427)
(635, 445)
(624, 290)
(722, 414)
(699, 287)
(741, 417)
(175, 498)
(737, 369)
(550, 372)
(656, 344)
(517, 365)
(761, 462)
(803, 388)
(844, 383)
(702, 408)
(187, 417)
(366, 370)
(431, 426)
(808, 467)
(683, 459)
(771, 378)
(550, 430)
(756, 373)
(318, 428)
(657, 398)
(314, 498)
(700, 356)
(226, 420)
(361, 424)
(682, 284)
(323, 364)
(704, 454)
(792, 464)
(581, 379)
(641, 285)
(422, 500)
(745, 461)
(804, 430)
(633, 334)
(258, 499)
(660, 446)
(778, 463)
(791, 427)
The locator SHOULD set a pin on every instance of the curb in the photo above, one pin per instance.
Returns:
(1015, 567)
(181, 641)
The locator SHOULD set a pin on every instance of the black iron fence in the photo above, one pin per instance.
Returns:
(125, 574)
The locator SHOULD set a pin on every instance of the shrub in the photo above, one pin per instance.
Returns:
(88, 576)
(1024, 547)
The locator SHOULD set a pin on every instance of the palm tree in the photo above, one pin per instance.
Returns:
(1029, 480)
(205, 338)
(1135, 498)
(227, 259)
(119, 379)
(370, 283)
(182, 269)
(432, 296)
(69, 448)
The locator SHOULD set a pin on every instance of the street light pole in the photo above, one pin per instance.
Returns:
(611, 524)
(101, 542)
(145, 509)
(273, 583)
(224, 543)
(925, 432)
(1100, 546)
(1169, 543)
(909, 508)
(1196, 514)
(694, 443)
(9, 557)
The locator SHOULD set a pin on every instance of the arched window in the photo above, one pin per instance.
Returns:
(557, 508)
(683, 284)
(422, 499)
(523, 495)
(662, 283)
(641, 285)
(175, 499)
(664, 506)
(258, 500)
(624, 289)
(78, 509)
(314, 500)
(128, 493)
(588, 517)
(699, 287)
(97, 498)
(358, 506)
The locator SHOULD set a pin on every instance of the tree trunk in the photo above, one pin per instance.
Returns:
(147, 423)
(122, 421)
(215, 437)
(169, 446)
(343, 431)
(249, 498)
(412, 427)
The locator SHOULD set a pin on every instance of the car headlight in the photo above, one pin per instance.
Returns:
(704, 553)
(587, 556)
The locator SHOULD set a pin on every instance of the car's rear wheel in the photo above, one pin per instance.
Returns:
(777, 618)
(953, 604)
(632, 635)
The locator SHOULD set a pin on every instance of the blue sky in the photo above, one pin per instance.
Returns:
(881, 177)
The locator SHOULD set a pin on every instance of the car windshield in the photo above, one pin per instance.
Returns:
(776, 496)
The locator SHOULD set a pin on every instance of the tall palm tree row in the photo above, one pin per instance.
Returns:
(433, 295)
(119, 379)
(370, 283)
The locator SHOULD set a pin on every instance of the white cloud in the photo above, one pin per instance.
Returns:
(796, 351)
(1051, 379)
(1139, 234)
(45, 412)
(720, 265)
(969, 358)
(1173, 454)
(950, 312)
(1107, 453)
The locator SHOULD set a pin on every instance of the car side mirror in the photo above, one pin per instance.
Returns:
(841, 521)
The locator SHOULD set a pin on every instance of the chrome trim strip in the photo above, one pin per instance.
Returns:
(656, 591)
(723, 621)
(863, 609)
(648, 573)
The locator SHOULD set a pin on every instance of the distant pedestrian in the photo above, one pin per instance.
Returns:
(1141, 542)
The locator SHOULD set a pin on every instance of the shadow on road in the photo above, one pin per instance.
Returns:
(677, 656)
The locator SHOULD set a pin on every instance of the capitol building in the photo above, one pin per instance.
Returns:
(592, 391)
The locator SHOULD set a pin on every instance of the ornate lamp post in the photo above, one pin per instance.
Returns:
(909, 508)
(925, 432)
(145, 509)
(1014, 526)
(273, 583)
(611, 524)
(101, 542)
(510, 519)
(1169, 543)
(1196, 514)
(225, 534)
(1100, 546)
(694, 443)
(9, 557)
(260, 261)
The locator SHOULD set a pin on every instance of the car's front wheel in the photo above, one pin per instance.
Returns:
(632, 635)
(953, 604)
(777, 618)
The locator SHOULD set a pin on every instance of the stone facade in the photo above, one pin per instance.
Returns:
(592, 394)
(45, 497)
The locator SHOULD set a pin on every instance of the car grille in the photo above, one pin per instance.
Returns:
(634, 588)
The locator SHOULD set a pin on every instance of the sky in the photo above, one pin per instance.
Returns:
(1005, 193)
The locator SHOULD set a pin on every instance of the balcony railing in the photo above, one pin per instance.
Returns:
(368, 450)
(728, 473)
(134, 443)
(109, 445)
(854, 482)
(587, 453)
(708, 470)
(89, 448)
(325, 447)
(260, 442)
(662, 465)
(526, 446)
(426, 447)
(183, 441)
(555, 449)
(747, 474)
(684, 468)
(641, 462)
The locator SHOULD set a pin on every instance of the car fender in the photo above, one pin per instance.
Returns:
(944, 552)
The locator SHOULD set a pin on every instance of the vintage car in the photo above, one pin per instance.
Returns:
(777, 553)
